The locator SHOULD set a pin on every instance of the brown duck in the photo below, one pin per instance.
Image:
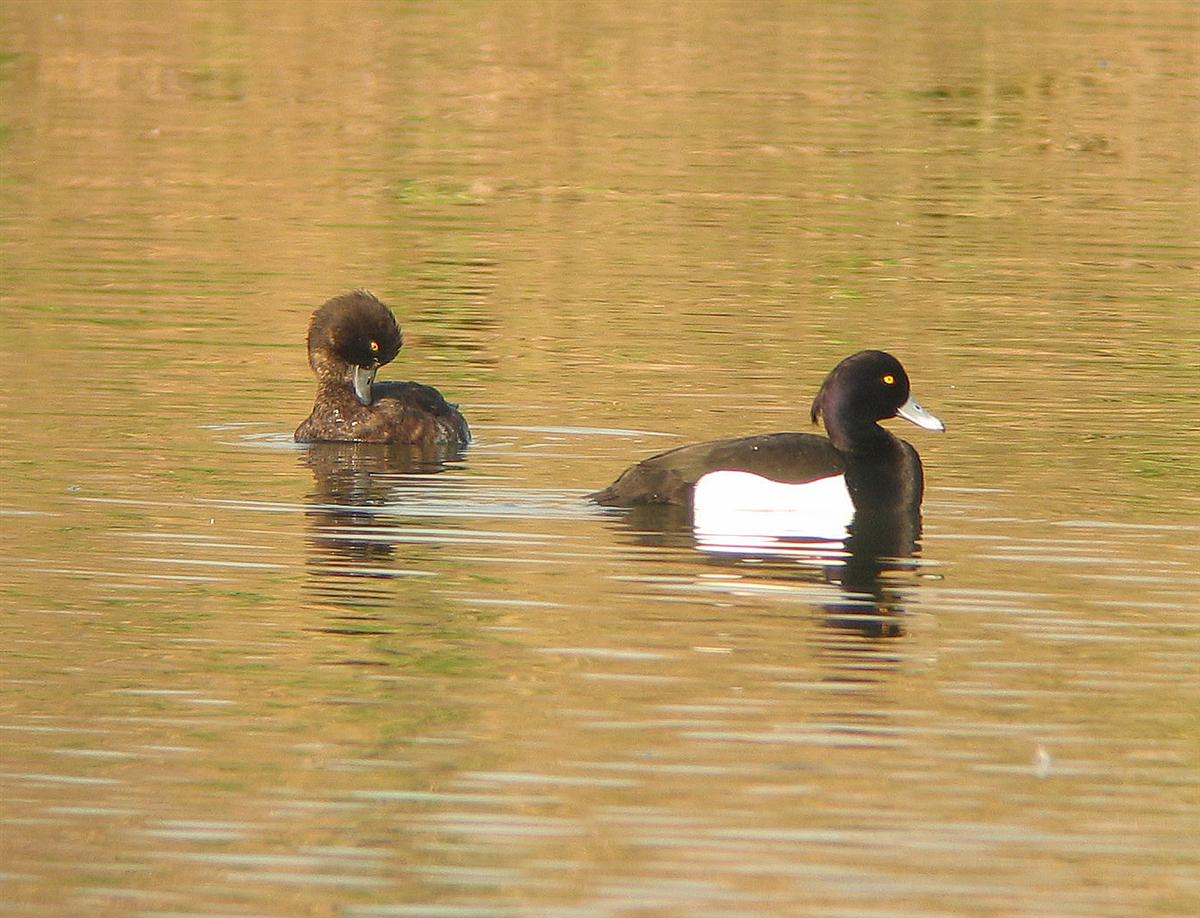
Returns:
(349, 339)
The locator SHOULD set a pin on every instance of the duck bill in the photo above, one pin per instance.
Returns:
(913, 412)
(364, 379)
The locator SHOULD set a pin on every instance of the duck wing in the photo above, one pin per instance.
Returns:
(668, 478)
(419, 406)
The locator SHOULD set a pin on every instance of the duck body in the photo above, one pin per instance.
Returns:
(349, 339)
(670, 477)
(876, 471)
(399, 412)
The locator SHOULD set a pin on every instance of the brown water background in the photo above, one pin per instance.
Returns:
(240, 678)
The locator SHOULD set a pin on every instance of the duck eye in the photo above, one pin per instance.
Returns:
(374, 347)
(889, 379)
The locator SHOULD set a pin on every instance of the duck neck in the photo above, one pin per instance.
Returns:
(856, 436)
(331, 372)
(335, 378)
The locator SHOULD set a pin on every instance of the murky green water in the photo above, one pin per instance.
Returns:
(240, 678)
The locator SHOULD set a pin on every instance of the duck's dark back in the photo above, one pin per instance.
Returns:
(669, 477)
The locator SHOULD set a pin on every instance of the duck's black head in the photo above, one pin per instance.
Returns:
(350, 338)
(862, 390)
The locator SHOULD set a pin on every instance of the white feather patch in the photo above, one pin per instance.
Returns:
(739, 510)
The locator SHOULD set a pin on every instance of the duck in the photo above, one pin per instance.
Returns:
(349, 338)
(860, 468)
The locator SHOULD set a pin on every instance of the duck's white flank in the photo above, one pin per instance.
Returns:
(727, 503)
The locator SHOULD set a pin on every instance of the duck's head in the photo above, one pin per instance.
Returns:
(863, 389)
(350, 338)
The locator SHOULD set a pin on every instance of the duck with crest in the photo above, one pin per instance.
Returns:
(861, 469)
(349, 339)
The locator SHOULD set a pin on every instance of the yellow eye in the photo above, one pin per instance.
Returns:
(374, 347)
(889, 379)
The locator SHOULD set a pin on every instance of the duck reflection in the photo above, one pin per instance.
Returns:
(871, 560)
(351, 549)
(880, 558)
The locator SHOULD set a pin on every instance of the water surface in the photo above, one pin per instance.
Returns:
(245, 678)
